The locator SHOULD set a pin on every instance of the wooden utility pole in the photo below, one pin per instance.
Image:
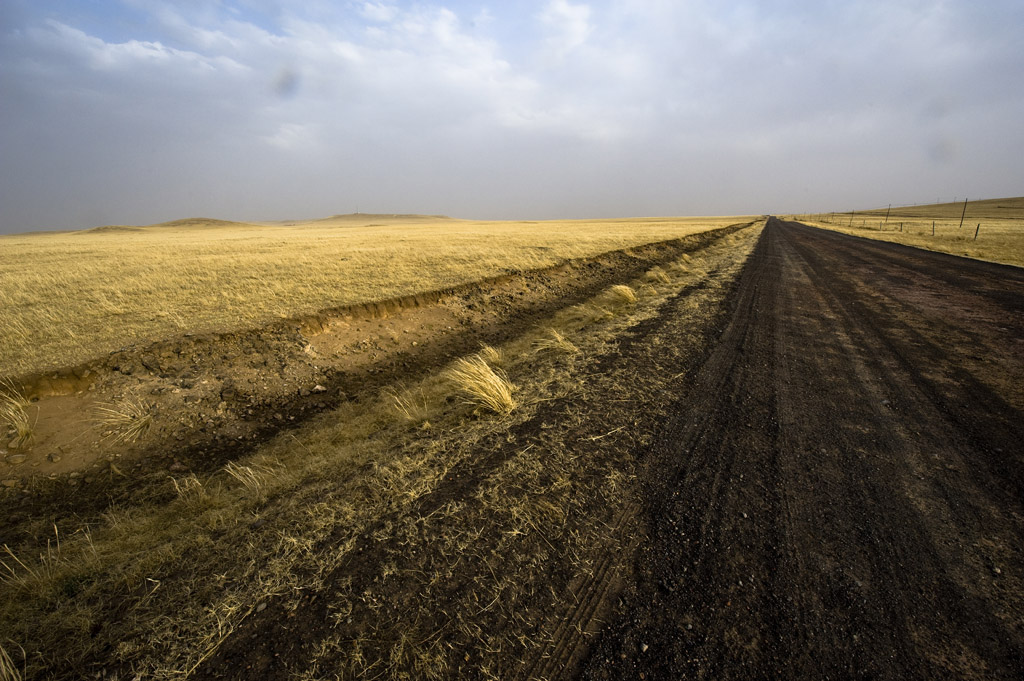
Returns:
(887, 213)
(976, 231)
(963, 214)
(933, 227)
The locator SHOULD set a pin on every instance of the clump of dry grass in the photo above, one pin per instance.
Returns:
(191, 491)
(647, 290)
(409, 405)
(658, 275)
(14, 412)
(555, 342)
(483, 386)
(622, 295)
(492, 355)
(125, 421)
(253, 477)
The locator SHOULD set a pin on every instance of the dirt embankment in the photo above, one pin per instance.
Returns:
(211, 398)
(840, 493)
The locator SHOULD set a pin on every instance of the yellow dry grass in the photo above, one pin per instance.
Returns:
(999, 224)
(192, 566)
(482, 385)
(68, 297)
(13, 413)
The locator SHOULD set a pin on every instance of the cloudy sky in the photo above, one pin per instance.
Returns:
(140, 111)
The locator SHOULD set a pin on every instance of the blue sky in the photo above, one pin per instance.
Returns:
(139, 111)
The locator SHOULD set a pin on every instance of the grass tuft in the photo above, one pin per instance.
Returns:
(658, 275)
(14, 412)
(409, 406)
(492, 355)
(126, 421)
(622, 295)
(191, 491)
(254, 477)
(483, 386)
(555, 342)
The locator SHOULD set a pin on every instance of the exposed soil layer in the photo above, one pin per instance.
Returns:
(841, 492)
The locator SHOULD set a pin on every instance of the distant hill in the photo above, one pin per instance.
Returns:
(1004, 209)
(185, 223)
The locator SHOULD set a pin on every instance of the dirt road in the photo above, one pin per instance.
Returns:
(841, 495)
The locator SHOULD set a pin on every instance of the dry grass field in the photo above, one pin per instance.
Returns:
(999, 224)
(68, 297)
(356, 500)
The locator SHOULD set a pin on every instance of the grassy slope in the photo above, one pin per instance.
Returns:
(68, 297)
(1000, 237)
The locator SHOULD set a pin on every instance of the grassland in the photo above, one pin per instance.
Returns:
(68, 297)
(157, 588)
(998, 223)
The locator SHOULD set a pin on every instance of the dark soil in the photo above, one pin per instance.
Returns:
(841, 494)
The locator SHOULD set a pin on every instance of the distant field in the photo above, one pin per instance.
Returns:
(68, 297)
(1000, 236)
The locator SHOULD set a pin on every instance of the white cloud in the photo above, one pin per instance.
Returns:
(100, 55)
(569, 25)
(378, 11)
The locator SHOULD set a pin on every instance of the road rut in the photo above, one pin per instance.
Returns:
(841, 494)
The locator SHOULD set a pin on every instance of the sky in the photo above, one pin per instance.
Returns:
(142, 111)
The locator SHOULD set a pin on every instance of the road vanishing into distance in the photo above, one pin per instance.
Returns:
(842, 494)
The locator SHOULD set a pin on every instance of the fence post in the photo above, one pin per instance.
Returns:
(933, 227)
(976, 231)
(887, 213)
(963, 214)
